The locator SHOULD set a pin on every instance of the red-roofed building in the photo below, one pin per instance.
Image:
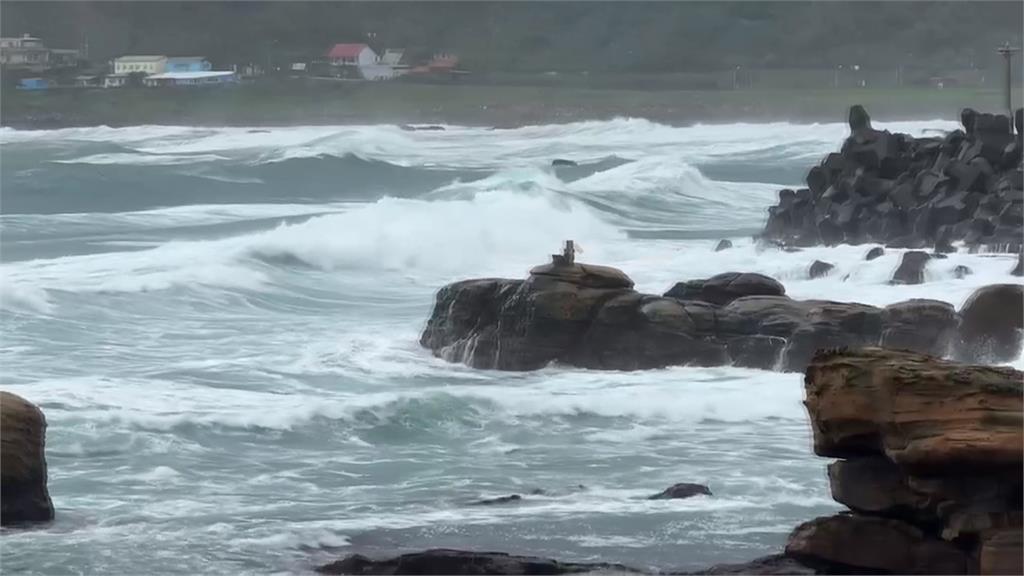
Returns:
(351, 55)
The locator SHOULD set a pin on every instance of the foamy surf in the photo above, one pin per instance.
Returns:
(245, 326)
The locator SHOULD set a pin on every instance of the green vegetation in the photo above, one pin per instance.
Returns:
(623, 36)
(351, 102)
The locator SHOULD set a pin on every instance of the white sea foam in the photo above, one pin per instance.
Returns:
(477, 147)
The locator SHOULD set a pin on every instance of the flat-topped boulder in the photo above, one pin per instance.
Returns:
(584, 275)
(724, 288)
(921, 412)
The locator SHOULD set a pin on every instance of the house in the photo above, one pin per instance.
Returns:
(351, 55)
(145, 64)
(115, 80)
(187, 64)
(203, 78)
(33, 84)
(29, 53)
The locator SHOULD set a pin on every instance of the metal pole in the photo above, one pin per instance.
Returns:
(1007, 52)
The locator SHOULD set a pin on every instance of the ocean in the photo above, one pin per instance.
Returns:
(221, 326)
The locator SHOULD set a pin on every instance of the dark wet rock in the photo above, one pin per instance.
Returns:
(875, 544)
(919, 325)
(511, 498)
(723, 244)
(960, 271)
(724, 288)
(757, 351)
(776, 564)
(990, 324)
(563, 162)
(819, 269)
(590, 317)
(911, 268)
(461, 562)
(1018, 270)
(23, 492)
(874, 485)
(876, 252)
(682, 490)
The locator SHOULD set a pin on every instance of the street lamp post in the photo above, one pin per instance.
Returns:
(1007, 53)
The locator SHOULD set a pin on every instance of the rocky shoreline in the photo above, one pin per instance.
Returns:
(591, 317)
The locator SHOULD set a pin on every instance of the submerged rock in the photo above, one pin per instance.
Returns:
(876, 252)
(960, 271)
(462, 562)
(511, 498)
(776, 564)
(682, 490)
(819, 269)
(23, 492)
(563, 162)
(723, 245)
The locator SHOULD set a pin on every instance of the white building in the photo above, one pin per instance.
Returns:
(28, 52)
(200, 78)
(145, 64)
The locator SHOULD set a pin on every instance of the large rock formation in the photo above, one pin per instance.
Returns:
(931, 464)
(23, 493)
(910, 192)
(459, 562)
(590, 316)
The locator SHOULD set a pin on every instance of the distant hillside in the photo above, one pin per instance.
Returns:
(542, 36)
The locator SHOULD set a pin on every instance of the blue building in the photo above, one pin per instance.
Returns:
(34, 84)
(187, 64)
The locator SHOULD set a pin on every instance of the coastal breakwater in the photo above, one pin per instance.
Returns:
(908, 192)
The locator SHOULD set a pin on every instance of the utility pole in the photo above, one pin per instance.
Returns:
(1007, 53)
